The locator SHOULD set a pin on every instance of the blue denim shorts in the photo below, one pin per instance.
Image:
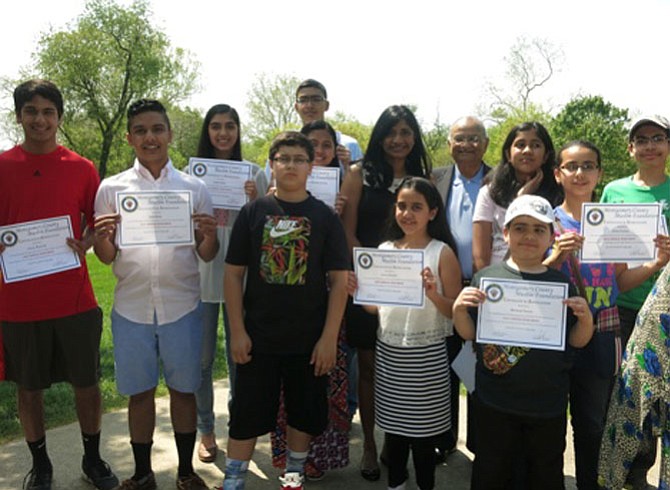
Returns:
(140, 347)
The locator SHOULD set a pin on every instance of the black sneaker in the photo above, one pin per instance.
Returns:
(99, 475)
(38, 481)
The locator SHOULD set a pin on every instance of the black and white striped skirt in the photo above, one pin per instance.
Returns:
(412, 389)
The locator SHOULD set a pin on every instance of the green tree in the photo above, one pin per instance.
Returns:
(348, 124)
(437, 143)
(108, 57)
(186, 126)
(270, 106)
(593, 119)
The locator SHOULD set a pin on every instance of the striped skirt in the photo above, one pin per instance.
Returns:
(412, 389)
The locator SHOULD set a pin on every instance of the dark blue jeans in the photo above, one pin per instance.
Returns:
(204, 396)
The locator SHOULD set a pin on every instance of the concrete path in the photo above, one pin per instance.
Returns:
(64, 444)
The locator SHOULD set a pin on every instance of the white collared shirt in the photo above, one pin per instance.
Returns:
(156, 279)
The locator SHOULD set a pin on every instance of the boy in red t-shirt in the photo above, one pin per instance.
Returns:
(50, 322)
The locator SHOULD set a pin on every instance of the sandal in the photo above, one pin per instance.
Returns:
(207, 454)
(371, 472)
(312, 472)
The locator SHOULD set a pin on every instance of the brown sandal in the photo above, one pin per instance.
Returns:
(207, 454)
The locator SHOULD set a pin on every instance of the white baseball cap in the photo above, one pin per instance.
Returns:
(529, 205)
(656, 120)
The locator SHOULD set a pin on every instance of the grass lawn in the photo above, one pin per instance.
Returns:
(58, 400)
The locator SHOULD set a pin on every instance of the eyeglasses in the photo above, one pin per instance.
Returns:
(285, 160)
(657, 139)
(573, 168)
(306, 99)
(472, 139)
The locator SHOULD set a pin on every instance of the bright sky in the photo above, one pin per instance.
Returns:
(372, 53)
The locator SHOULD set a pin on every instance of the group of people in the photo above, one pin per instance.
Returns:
(301, 355)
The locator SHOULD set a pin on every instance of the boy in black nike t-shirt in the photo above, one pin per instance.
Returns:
(285, 322)
(521, 391)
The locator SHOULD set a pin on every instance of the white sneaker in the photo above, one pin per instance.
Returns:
(292, 481)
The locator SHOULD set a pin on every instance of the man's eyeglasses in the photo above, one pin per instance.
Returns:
(657, 139)
(306, 99)
(473, 139)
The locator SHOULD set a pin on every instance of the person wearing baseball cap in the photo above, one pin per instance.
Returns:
(521, 392)
(648, 145)
(530, 205)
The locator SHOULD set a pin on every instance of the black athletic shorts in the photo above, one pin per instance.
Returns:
(256, 397)
(40, 353)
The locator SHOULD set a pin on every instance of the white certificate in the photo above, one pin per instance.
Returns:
(523, 313)
(155, 218)
(465, 365)
(389, 277)
(619, 232)
(324, 184)
(37, 248)
(224, 180)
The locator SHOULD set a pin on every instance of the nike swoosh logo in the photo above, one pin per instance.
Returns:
(276, 234)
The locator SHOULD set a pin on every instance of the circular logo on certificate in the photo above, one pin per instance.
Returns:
(199, 169)
(493, 293)
(365, 261)
(9, 239)
(129, 204)
(595, 216)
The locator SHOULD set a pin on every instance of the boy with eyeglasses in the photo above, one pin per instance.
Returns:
(648, 145)
(292, 249)
(311, 104)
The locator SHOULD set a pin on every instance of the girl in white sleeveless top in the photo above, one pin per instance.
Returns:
(412, 389)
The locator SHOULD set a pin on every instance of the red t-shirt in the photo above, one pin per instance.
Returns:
(45, 186)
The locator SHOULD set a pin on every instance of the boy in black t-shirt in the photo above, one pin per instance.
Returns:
(521, 393)
(285, 323)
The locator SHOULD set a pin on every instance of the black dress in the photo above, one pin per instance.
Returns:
(375, 209)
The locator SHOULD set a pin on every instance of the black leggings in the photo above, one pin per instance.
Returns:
(423, 455)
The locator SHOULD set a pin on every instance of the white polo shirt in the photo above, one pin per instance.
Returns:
(162, 279)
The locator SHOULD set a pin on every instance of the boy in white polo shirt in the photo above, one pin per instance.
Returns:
(156, 315)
